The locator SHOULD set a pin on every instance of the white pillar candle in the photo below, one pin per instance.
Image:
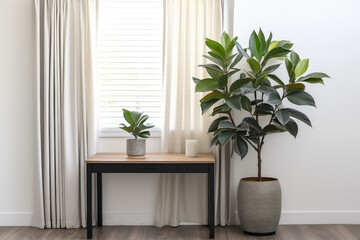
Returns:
(191, 148)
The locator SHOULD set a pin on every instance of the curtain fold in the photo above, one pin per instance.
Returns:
(183, 197)
(66, 121)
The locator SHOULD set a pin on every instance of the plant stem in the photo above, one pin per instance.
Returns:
(259, 163)
(251, 144)
(232, 120)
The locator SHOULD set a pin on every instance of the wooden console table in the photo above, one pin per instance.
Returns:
(151, 163)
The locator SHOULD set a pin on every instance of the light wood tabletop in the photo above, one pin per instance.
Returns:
(151, 158)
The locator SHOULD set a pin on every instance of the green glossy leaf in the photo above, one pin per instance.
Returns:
(290, 70)
(254, 45)
(225, 39)
(211, 66)
(215, 60)
(246, 104)
(213, 73)
(207, 105)
(273, 45)
(301, 98)
(301, 67)
(268, 41)
(274, 99)
(223, 81)
(264, 107)
(196, 80)
(262, 42)
(225, 136)
(283, 116)
(312, 80)
(285, 44)
(234, 102)
(273, 129)
(214, 141)
(295, 59)
(217, 56)
(223, 108)
(225, 124)
(243, 126)
(212, 95)
(128, 117)
(295, 86)
(314, 75)
(266, 90)
(229, 48)
(215, 47)
(299, 115)
(254, 65)
(271, 68)
(276, 79)
(241, 146)
(146, 126)
(253, 123)
(277, 52)
(241, 50)
(236, 61)
(142, 120)
(145, 134)
(214, 125)
(207, 84)
(291, 127)
(238, 84)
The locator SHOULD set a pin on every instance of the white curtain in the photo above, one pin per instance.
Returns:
(66, 133)
(183, 197)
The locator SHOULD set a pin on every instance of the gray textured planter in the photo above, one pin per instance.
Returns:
(135, 147)
(259, 205)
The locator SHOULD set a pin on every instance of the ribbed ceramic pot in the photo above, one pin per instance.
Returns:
(135, 147)
(259, 205)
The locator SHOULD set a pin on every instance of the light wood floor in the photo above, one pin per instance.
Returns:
(284, 232)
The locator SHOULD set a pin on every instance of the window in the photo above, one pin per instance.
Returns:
(129, 61)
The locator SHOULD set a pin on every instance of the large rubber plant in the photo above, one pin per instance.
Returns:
(256, 90)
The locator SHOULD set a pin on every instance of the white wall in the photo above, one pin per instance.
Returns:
(17, 104)
(320, 170)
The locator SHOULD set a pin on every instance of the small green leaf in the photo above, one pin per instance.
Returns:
(295, 86)
(215, 60)
(225, 40)
(216, 55)
(241, 146)
(289, 68)
(245, 103)
(266, 90)
(212, 95)
(312, 80)
(273, 45)
(196, 80)
(225, 136)
(211, 66)
(276, 79)
(241, 50)
(301, 67)
(262, 42)
(253, 123)
(207, 105)
(254, 45)
(234, 102)
(264, 107)
(239, 83)
(274, 99)
(254, 65)
(145, 134)
(291, 127)
(299, 115)
(301, 98)
(214, 125)
(216, 47)
(236, 61)
(207, 84)
(277, 52)
(225, 124)
(314, 75)
(214, 141)
(268, 41)
(272, 128)
(283, 116)
(271, 68)
(128, 117)
(295, 59)
(223, 81)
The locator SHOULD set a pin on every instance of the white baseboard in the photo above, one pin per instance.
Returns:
(147, 218)
(15, 218)
(320, 217)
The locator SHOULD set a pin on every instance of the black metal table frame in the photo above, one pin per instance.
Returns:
(100, 168)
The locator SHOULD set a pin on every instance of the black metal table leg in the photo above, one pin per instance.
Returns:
(89, 201)
(211, 202)
(99, 199)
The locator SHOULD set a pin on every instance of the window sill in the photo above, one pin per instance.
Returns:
(118, 133)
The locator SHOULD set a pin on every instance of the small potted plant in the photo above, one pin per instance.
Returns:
(259, 94)
(137, 128)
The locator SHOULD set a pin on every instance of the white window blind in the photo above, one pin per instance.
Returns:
(129, 60)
